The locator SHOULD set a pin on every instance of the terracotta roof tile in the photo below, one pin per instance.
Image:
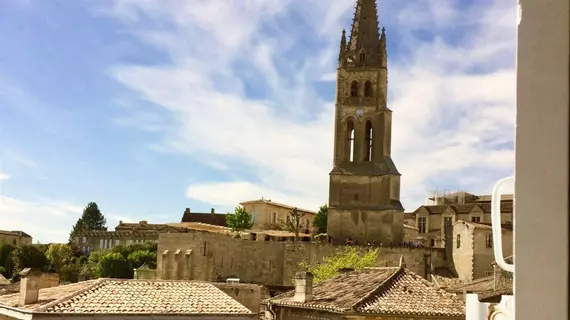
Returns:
(148, 296)
(394, 291)
(46, 295)
(122, 296)
(484, 287)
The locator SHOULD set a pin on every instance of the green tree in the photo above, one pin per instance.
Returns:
(239, 220)
(320, 221)
(59, 255)
(6, 259)
(91, 220)
(114, 265)
(293, 223)
(29, 256)
(140, 258)
(350, 257)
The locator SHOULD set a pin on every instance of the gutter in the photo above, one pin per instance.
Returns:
(20, 314)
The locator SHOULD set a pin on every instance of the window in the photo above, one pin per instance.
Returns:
(356, 196)
(458, 241)
(354, 89)
(368, 141)
(447, 221)
(307, 224)
(489, 240)
(368, 92)
(102, 244)
(432, 242)
(288, 219)
(350, 141)
(84, 239)
(422, 222)
(273, 217)
(362, 57)
(117, 242)
(476, 219)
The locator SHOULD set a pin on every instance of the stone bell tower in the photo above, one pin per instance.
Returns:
(364, 191)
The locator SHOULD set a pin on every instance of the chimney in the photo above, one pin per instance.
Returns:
(303, 286)
(31, 281)
(120, 221)
(143, 222)
(212, 211)
(187, 211)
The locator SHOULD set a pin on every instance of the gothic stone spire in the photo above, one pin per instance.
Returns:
(365, 44)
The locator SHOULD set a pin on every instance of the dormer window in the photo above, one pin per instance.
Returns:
(362, 57)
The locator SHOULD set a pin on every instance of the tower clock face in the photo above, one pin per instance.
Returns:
(359, 113)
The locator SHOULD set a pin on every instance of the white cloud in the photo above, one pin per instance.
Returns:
(4, 176)
(53, 219)
(453, 98)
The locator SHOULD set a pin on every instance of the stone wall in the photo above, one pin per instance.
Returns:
(216, 257)
(250, 295)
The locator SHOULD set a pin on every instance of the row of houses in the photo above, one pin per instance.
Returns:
(369, 293)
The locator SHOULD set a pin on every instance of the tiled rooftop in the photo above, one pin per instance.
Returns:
(277, 204)
(119, 296)
(393, 291)
(484, 287)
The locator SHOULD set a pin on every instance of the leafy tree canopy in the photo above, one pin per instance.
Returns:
(29, 256)
(6, 263)
(294, 223)
(350, 257)
(239, 220)
(114, 265)
(91, 220)
(320, 221)
(59, 255)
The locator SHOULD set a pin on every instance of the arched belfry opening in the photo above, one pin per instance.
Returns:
(350, 140)
(369, 134)
(368, 92)
(354, 89)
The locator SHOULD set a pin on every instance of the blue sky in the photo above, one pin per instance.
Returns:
(149, 107)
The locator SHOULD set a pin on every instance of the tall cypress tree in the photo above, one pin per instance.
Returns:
(91, 220)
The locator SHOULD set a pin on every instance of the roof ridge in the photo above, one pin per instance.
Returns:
(71, 295)
(383, 285)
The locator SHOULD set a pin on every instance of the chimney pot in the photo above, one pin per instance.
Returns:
(303, 286)
(31, 281)
(212, 211)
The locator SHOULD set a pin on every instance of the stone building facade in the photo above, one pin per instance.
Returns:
(211, 256)
(15, 238)
(267, 214)
(124, 234)
(431, 220)
(364, 190)
(472, 248)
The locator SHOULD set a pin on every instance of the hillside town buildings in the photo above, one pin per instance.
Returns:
(429, 257)
(15, 238)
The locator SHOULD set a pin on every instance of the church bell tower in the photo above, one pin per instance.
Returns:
(364, 191)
